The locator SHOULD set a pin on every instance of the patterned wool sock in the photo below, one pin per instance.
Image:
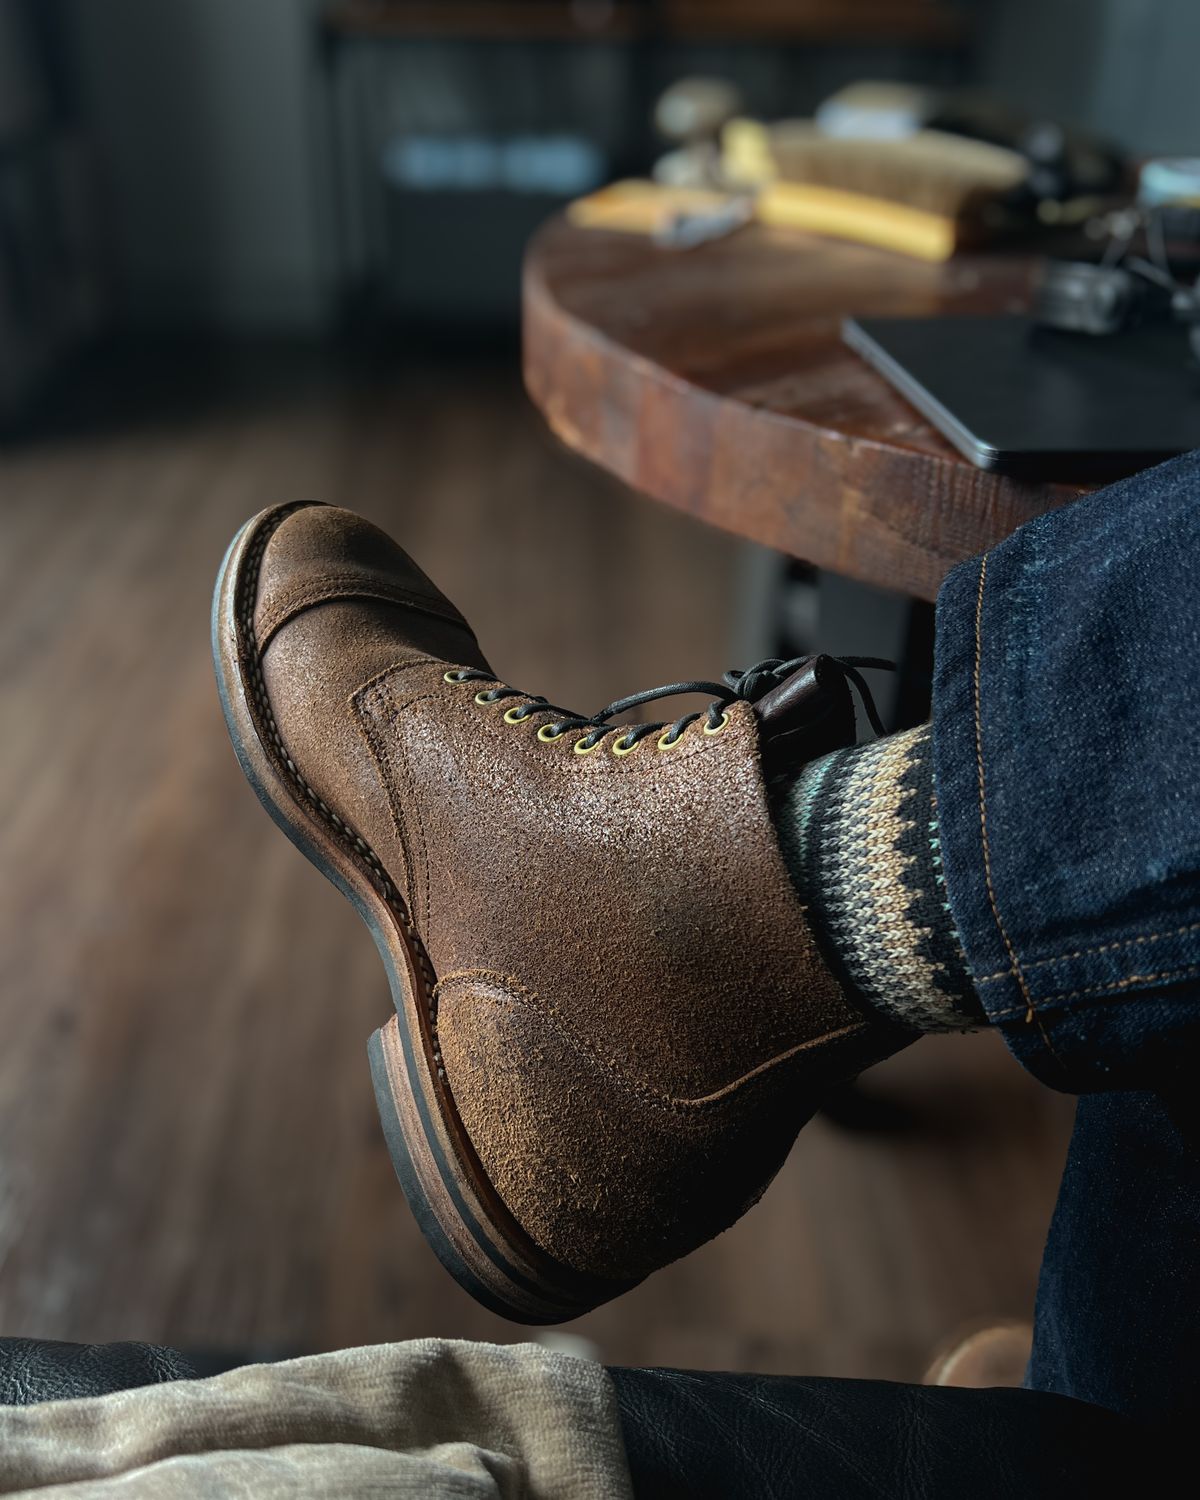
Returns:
(859, 833)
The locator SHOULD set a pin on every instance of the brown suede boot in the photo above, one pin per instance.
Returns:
(612, 1018)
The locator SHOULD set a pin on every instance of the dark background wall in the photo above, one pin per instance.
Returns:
(218, 124)
(235, 155)
(1123, 67)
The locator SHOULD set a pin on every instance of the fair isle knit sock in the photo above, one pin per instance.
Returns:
(859, 834)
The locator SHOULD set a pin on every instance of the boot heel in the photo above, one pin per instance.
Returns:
(416, 1170)
(486, 1254)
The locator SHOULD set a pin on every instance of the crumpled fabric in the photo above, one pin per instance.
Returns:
(432, 1418)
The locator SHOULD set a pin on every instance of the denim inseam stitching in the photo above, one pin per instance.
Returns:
(1131, 982)
(1031, 1014)
(1150, 937)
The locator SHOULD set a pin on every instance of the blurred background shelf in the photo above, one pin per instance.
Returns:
(930, 22)
(241, 151)
(479, 20)
(427, 102)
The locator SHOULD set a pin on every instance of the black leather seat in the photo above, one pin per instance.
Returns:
(39, 1370)
(698, 1434)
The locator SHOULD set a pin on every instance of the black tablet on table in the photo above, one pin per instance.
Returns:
(1022, 400)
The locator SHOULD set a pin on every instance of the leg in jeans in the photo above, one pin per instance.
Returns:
(1066, 731)
(1116, 1319)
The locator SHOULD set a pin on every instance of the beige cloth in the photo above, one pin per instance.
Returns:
(433, 1418)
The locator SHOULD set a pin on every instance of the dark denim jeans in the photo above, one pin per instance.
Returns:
(1066, 718)
(1067, 765)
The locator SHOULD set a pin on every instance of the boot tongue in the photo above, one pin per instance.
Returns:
(808, 714)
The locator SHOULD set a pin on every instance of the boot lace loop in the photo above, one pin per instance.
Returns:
(735, 686)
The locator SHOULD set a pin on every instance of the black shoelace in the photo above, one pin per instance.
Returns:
(745, 686)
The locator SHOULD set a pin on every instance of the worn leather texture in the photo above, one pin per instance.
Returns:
(46, 1370)
(633, 1015)
(697, 1435)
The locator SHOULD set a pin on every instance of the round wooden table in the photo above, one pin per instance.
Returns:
(716, 381)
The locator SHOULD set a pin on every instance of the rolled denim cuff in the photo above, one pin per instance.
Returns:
(968, 845)
(1065, 720)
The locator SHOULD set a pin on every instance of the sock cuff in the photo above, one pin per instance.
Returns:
(860, 834)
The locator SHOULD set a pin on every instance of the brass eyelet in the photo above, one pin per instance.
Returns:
(709, 729)
(516, 715)
(483, 700)
(665, 740)
(622, 745)
(548, 734)
(584, 749)
(452, 676)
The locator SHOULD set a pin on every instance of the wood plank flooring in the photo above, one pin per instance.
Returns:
(188, 1143)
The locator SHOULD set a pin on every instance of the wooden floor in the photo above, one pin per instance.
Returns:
(188, 1143)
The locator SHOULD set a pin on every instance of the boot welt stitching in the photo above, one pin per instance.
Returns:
(251, 660)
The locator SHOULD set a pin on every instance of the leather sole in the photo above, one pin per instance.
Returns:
(458, 1210)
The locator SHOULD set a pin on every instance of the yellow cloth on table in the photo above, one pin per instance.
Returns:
(634, 206)
(922, 195)
(855, 216)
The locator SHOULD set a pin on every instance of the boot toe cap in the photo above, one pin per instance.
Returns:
(320, 554)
